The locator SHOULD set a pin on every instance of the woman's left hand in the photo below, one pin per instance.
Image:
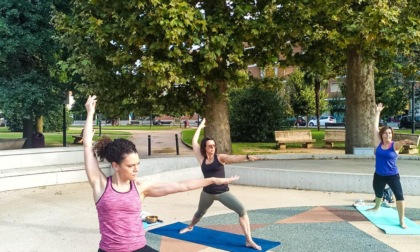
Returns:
(253, 158)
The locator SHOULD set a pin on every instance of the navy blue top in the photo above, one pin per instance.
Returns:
(217, 170)
(386, 161)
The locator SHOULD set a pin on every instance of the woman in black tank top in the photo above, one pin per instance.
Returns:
(212, 165)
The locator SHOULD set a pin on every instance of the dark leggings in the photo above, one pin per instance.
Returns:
(144, 249)
(394, 183)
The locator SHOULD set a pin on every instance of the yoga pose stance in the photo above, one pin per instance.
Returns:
(119, 197)
(212, 164)
(386, 170)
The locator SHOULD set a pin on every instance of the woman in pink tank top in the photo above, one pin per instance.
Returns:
(118, 197)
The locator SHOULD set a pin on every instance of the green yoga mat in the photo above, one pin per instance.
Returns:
(387, 220)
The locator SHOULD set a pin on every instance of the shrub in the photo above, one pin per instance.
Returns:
(255, 114)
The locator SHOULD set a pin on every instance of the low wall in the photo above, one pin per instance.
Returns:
(49, 166)
(11, 144)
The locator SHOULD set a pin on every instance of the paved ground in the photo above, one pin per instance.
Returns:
(63, 217)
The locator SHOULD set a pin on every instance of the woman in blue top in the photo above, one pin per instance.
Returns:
(386, 170)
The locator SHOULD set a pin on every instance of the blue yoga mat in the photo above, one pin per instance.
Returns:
(212, 238)
(387, 220)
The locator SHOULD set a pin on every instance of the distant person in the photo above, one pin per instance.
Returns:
(119, 197)
(386, 170)
(212, 165)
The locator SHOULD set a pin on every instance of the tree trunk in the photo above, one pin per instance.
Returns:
(360, 101)
(317, 88)
(216, 112)
(40, 124)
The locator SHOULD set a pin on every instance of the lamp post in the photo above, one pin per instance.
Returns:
(413, 126)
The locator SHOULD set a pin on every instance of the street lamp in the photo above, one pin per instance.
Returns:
(413, 106)
(413, 126)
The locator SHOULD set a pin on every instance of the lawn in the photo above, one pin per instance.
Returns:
(56, 138)
(269, 147)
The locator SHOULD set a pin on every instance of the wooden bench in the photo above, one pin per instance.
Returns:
(332, 136)
(335, 125)
(11, 144)
(294, 136)
(134, 122)
(78, 139)
(408, 148)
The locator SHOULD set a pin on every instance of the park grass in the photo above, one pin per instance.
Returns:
(270, 147)
(55, 139)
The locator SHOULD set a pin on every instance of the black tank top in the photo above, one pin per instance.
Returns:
(215, 169)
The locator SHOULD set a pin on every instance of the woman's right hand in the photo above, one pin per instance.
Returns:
(90, 104)
(202, 124)
(224, 181)
(379, 107)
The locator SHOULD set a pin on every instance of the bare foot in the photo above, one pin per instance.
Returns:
(403, 226)
(253, 245)
(185, 230)
(374, 209)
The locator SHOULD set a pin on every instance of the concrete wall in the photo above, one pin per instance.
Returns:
(49, 166)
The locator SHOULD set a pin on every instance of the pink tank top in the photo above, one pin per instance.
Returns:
(119, 219)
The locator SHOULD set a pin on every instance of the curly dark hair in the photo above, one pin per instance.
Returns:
(114, 150)
(203, 146)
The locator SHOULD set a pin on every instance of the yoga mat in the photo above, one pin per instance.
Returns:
(212, 238)
(387, 220)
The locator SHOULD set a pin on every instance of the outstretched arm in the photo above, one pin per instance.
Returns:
(228, 159)
(94, 174)
(148, 189)
(195, 144)
(399, 144)
(377, 138)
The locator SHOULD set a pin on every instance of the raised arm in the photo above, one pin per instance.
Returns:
(377, 138)
(94, 174)
(195, 144)
(149, 189)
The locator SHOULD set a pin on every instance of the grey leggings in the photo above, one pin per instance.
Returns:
(226, 198)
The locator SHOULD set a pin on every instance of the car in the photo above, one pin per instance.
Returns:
(323, 120)
(407, 123)
(299, 121)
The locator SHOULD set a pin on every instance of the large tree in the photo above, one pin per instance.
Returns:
(27, 61)
(190, 51)
(364, 30)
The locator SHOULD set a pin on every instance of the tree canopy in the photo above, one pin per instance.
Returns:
(190, 51)
(28, 55)
(364, 31)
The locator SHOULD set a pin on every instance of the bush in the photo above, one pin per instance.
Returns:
(255, 114)
(53, 122)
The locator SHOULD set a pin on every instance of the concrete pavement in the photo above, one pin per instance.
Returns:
(63, 217)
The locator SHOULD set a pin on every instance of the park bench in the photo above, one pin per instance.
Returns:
(408, 148)
(11, 144)
(332, 136)
(335, 125)
(294, 136)
(78, 139)
(134, 122)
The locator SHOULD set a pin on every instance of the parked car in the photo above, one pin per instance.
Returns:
(323, 120)
(299, 121)
(407, 123)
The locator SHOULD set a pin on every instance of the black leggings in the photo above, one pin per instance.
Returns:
(144, 249)
(394, 183)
